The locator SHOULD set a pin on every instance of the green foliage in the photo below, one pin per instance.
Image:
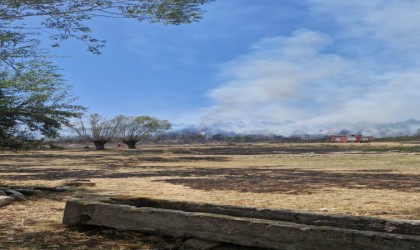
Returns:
(16, 140)
(34, 100)
(137, 128)
(66, 19)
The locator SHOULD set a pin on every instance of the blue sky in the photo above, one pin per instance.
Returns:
(279, 66)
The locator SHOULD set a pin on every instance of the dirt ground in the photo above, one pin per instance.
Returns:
(374, 179)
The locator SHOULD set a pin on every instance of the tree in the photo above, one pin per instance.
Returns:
(98, 129)
(139, 128)
(66, 19)
(344, 132)
(34, 100)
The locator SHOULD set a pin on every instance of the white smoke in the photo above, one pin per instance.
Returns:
(321, 81)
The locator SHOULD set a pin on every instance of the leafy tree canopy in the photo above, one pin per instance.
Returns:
(34, 100)
(137, 128)
(64, 19)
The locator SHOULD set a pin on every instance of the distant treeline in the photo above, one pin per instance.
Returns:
(191, 135)
(199, 136)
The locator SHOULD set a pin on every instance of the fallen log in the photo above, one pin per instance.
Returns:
(244, 226)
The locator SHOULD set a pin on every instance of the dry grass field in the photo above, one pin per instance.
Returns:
(375, 179)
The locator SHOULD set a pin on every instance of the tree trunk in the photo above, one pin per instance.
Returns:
(99, 145)
(131, 144)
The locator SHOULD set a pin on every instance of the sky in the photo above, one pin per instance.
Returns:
(274, 66)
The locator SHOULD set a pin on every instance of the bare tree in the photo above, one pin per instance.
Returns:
(138, 128)
(99, 130)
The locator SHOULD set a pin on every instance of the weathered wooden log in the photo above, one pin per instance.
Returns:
(6, 200)
(29, 192)
(248, 231)
(335, 220)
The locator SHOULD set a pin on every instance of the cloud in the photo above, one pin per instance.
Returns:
(274, 80)
(392, 26)
(322, 80)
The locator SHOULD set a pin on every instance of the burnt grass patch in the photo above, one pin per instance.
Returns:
(290, 149)
(294, 181)
(183, 159)
(256, 180)
(255, 150)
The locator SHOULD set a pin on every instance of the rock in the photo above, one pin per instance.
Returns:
(29, 192)
(5, 200)
(2, 193)
(79, 183)
(63, 189)
(15, 194)
(200, 244)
